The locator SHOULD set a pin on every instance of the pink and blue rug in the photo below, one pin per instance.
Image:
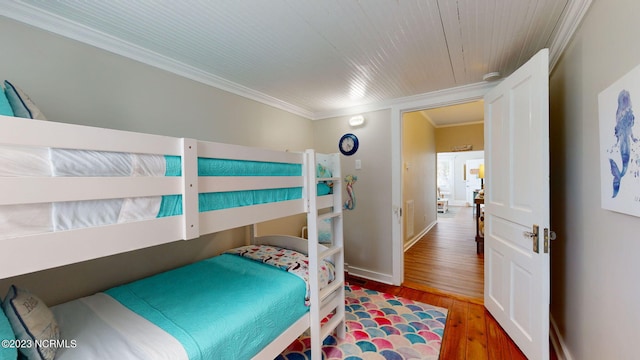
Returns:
(380, 326)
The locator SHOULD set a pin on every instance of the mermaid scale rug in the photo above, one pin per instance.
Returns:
(380, 326)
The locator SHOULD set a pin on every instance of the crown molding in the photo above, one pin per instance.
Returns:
(462, 124)
(445, 97)
(52, 23)
(428, 118)
(573, 15)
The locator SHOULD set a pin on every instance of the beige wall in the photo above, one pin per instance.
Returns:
(76, 83)
(595, 294)
(450, 136)
(419, 173)
(367, 228)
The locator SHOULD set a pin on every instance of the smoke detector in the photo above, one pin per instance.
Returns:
(492, 76)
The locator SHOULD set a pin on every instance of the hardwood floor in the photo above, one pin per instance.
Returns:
(470, 333)
(443, 269)
(445, 260)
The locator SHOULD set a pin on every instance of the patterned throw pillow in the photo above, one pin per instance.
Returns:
(33, 323)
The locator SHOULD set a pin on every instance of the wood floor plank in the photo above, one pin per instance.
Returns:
(445, 259)
(454, 342)
(476, 333)
(498, 346)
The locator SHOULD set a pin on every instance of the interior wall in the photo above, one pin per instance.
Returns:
(367, 228)
(419, 175)
(448, 137)
(594, 261)
(77, 83)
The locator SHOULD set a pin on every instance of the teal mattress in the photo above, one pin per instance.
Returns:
(172, 204)
(226, 307)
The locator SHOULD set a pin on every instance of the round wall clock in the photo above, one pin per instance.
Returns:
(348, 144)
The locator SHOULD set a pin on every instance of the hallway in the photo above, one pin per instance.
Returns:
(445, 261)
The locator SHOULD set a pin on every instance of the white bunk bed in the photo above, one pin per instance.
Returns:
(29, 252)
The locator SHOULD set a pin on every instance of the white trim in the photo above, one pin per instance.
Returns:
(574, 12)
(44, 20)
(411, 103)
(464, 124)
(371, 275)
(446, 97)
(417, 238)
(397, 232)
(557, 341)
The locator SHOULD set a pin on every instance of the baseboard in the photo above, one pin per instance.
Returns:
(415, 239)
(557, 341)
(370, 275)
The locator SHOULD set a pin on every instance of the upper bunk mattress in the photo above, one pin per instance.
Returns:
(22, 161)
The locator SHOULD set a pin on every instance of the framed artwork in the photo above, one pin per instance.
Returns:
(620, 145)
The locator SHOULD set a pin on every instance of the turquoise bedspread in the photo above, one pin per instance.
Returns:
(226, 307)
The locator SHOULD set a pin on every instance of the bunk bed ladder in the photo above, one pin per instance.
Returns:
(330, 300)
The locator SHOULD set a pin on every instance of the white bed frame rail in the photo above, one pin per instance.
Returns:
(32, 253)
(217, 220)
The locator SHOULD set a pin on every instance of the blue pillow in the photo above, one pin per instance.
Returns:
(21, 103)
(6, 333)
(5, 107)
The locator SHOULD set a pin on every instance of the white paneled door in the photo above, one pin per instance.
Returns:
(516, 203)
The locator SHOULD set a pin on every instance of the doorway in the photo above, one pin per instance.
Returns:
(457, 96)
(459, 176)
(444, 247)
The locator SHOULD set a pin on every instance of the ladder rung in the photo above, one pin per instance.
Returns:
(330, 325)
(330, 289)
(329, 306)
(330, 252)
(332, 303)
(332, 179)
(329, 215)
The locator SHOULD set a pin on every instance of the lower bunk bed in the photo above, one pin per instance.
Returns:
(249, 302)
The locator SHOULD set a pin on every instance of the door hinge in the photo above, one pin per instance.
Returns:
(535, 236)
(548, 235)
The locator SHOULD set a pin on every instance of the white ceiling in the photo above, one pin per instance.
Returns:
(317, 58)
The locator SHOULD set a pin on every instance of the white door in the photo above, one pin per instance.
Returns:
(516, 134)
(473, 182)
